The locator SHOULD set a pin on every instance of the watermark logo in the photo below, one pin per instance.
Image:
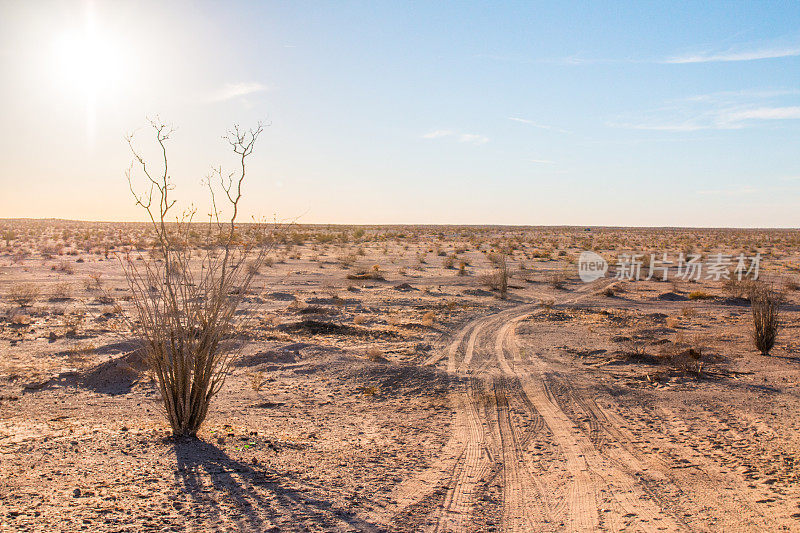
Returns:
(686, 267)
(591, 266)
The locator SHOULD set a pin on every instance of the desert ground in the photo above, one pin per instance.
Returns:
(385, 385)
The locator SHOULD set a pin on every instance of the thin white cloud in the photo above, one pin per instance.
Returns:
(542, 161)
(436, 134)
(765, 113)
(236, 90)
(719, 117)
(471, 138)
(731, 55)
(536, 124)
(684, 126)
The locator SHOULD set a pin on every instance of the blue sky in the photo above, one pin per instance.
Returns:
(647, 114)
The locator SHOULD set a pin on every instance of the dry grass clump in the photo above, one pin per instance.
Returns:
(63, 267)
(257, 381)
(364, 274)
(61, 292)
(557, 279)
(700, 295)
(23, 294)
(765, 302)
(94, 281)
(685, 355)
(375, 355)
(80, 353)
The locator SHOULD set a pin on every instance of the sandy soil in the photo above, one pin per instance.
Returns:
(421, 402)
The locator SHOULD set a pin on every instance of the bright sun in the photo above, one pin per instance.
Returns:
(87, 62)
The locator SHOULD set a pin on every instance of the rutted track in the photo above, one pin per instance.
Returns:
(561, 462)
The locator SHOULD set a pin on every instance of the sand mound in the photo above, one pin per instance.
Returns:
(116, 376)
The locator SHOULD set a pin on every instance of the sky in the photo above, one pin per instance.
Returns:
(529, 113)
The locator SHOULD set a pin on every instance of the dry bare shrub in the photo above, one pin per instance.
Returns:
(557, 279)
(375, 355)
(61, 291)
(739, 288)
(683, 354)
(23, 294)
(186, 304)
(94, 281)
(363, 274)
(765, 302)
(497, 280)
(257, 381)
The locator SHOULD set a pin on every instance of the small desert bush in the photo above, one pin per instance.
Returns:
(765, 302)
(94, 281)
(497, 280)
(557, 279)
(375, 355)
(63, 267)
(23, 294)
(739, 288)
(257, 381)
(61, 291)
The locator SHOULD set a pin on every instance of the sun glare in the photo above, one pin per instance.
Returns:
(87, 63)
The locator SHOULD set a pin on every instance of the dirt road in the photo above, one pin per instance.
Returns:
(538, 446)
